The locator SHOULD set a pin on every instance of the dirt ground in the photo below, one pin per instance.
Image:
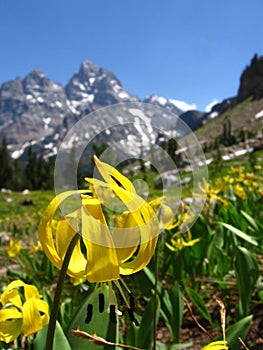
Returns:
(191, 332)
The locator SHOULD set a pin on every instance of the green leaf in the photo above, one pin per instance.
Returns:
(247, 273)
(239, 329)
(145, 333)
(250, 220)
(172, 308)
(240, 234)
(60, 340)
(181, 346)
(100, 323)
(199, 303)
(160, 346)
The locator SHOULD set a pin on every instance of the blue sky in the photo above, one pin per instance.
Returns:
(189, 50)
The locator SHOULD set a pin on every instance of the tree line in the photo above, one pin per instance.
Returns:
(35, 173)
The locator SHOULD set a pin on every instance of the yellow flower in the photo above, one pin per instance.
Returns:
(36, 248)
(216, 345)
(229, 180)
(27, 314)
(178, 243)
(13, 248)
(239, 191)
(237, 170)
(122, 250)
(212, 193)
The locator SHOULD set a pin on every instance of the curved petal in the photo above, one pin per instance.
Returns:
(102, 262)
(12, 297)
(11, 294)
(142, 258)
(112, 176)
(64, 235)
(10, 324)
(45, 229)
(126, 236)
(32, 320)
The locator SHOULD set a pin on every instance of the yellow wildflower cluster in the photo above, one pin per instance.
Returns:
(244, 182)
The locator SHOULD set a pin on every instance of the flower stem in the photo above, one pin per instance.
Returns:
(58, 291)
(156, 273)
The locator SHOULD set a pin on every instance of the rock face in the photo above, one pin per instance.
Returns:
(37, 111)
(31, 108)
(95, 87)
(251, 81)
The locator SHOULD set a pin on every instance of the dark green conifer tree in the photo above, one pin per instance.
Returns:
(6, 170)
(31, 172)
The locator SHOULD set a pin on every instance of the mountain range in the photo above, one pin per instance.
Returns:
(39, 112)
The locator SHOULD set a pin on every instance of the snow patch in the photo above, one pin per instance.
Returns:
(123, 94)
(162, 100)
(59, 104)
(90, 98)
(259, 115)
(72, 106)
(183, 105)
(46, 120)
(17, 154)
(49, 145)
(138, 113)
(213, 115)
(91, 80)
(209, 107)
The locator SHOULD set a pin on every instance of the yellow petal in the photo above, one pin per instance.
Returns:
(65, 233)
(112, 176)
(142, 258)
(126, 236)
(216, 345)
(102, 262)
(45, 229)
(12, 297)
(32, 320)
(172, 248)
(10, 324)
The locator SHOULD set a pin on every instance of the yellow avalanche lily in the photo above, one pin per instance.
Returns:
(14, 248)
(109, 252)
(25, 314)
(216, 345)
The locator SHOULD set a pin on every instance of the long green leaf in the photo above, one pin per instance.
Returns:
(199, 303)
(239, 329)
(240, 234)
(247, 273)
(145, 333)
(172, 308)
(250, 220)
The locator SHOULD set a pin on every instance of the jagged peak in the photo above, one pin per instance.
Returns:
(88, 68)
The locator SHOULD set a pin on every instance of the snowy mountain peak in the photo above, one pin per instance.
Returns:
(45, 110)
(97, 86)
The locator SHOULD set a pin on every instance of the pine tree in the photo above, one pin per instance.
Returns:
(6, 171)
(31, 172)
(17, 179)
